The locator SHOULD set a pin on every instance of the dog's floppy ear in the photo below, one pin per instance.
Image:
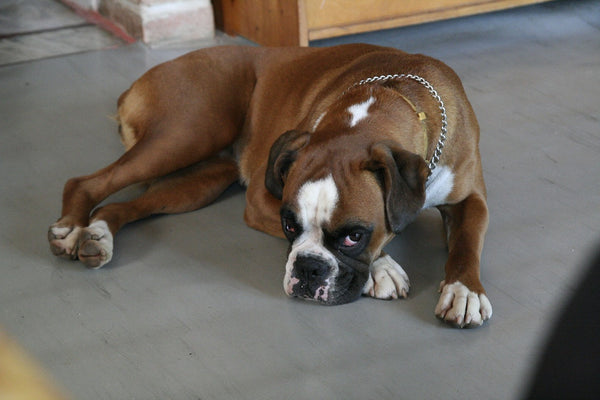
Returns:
(283, 154)
(403, 175)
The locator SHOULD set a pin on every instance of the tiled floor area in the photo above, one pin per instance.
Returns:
(192, 306)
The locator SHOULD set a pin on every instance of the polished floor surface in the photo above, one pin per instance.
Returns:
(192, 306)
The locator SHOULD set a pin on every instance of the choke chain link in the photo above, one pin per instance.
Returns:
(435, 158)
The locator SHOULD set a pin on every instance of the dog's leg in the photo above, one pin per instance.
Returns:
(463, 301)
(181, 191)
(177, 114)
(157, 153)
(78, 202)
(82, 194)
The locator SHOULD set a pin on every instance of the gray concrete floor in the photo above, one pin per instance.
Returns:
(37, 29)
(192, 305)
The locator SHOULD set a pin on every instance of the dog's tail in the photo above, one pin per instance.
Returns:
(126, 132)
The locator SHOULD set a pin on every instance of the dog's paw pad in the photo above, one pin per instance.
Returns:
(387, 280)
(462, 307)
(95, 245)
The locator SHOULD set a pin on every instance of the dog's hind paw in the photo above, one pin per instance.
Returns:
(387, 280)
(462, 307)
(64, 240)
(95, 245)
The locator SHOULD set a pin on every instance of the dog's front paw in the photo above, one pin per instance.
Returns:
(387, 280)
(462, 307)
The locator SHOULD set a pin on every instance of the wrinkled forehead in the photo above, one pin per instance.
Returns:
(337, 199)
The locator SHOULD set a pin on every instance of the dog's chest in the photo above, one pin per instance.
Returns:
(439, 186)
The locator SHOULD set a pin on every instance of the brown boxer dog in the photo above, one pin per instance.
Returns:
(339, 148)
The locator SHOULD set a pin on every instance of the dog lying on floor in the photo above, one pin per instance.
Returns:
(339, 148)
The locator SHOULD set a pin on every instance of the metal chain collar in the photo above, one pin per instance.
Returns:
(440, 144)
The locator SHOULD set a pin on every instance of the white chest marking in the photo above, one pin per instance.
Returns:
(360, 111)
(439, 186)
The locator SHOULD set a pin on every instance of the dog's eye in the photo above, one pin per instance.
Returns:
(352, 239)
(289, 225)
(290, 228)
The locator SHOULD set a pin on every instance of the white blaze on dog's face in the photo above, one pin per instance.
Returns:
(310, 264)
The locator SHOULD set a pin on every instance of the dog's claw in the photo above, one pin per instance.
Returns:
(462, 307)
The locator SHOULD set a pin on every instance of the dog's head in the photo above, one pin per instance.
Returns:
(343, 199)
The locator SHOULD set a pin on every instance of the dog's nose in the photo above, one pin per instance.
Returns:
(310, 268)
